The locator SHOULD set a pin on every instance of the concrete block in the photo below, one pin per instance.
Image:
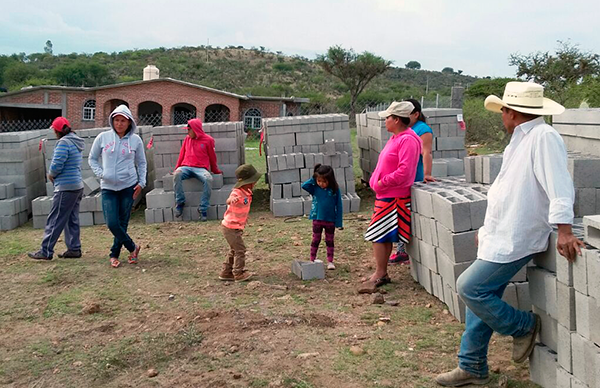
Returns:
(307, 270)
(578, 356)
(547, 259)
(491, 168)
(168, 214)
(158, 216)
(309, 138)
(460, 247)
(39, 222)
(469, 168)
(565, 306)
(299, 159)
(354, 202)
(579, 266)
(428, 256)
(277, 141)
(87, 204)
(548, 336)
(439, 168)
(542, 289)
(9, 222)
(286, 190)
(563, 344)
(219, 197)
(90, 185)
(437, 286)
(288, 207)
(510, 295)
(412, 248)
(10, 207)
(286, 176)
(99, 218)
(520, 276)
(585, 202)
(582, 308)
(86, 219)
(449, 143)
(592, 363)
(479, 169)
(425, 277)
(563, 378)
(422, 196)
(329, 147)
(414, 270)
(593, 273)
(306, 205)
(523, 296)
(591, 225)
(542, 366)
(158, 198)
(455, 166)
(149, 216)
(584, 171)
(169, 182)
(452, 211)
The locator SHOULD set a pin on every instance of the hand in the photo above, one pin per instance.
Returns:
(50, 178)
(137, 191)
(428, 178)
(567, 244)
(379, 183)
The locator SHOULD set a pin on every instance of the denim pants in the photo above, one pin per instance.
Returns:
(63, 216)
(203, 175)
(116, 206)
(481, 287)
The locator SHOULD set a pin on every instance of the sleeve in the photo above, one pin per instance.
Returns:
(140, 162)
(408, 157)
(212, 157)
(61, 154)
(309, 186)
(181, 153)
(95, 155)
(339, 210)
(550, 168)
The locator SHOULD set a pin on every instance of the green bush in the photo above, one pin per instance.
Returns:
(483, 127)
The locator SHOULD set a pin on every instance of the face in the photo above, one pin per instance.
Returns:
(120, 124)
(391, 123)
(508, 120)
(191, 133)
(322, 182)
(414, 117)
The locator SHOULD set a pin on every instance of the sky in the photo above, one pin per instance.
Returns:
(474, 36)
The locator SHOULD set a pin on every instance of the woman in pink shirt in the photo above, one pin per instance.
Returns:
(391, 181)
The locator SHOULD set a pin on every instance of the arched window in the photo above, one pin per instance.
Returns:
(252, 119)
(89, 110)
(216, 113)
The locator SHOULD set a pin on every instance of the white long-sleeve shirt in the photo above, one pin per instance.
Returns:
(532, 191)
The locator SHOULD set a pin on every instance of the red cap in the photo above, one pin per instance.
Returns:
(59, 124)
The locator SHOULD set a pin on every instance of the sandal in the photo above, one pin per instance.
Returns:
(367, 287)
(114, 262)
(382, 281)
(133, 256)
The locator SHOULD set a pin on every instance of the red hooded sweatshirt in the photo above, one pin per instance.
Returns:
(198, 152)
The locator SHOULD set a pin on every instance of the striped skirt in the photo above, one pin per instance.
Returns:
(390, 222)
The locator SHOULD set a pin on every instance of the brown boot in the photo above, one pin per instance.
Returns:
(226, 274)
(458, 377)
(243, 276)
(523, 346)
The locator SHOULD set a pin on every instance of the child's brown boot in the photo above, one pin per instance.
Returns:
(242, 277)
(226, 274)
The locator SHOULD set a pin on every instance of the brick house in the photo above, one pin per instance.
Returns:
(161, 101)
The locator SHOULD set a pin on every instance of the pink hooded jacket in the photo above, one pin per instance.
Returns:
(198, 152)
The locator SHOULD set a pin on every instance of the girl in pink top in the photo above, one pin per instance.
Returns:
(391, 181)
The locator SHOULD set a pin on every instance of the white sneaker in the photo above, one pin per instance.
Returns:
(330, 265)
(318, 261)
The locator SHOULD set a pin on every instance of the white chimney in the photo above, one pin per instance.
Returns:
(151, 72)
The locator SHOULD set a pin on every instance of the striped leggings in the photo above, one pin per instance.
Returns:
(318, 227)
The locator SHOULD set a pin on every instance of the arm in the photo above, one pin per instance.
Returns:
(404, 174)
(550, 168)
(427, 157)
(233, 198)
(339, 210)
(309, 186)
(212, 157)
(141, 164)
(94, 155)
(61, 154)
(181, 154)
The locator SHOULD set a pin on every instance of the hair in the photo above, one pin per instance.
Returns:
(326, 172)
(417, 105)
(403, 120)
(65, 131)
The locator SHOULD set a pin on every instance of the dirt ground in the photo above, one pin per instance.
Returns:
(81, 323)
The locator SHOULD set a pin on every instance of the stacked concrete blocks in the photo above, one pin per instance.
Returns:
(294, 145)
(14, 210)
(580, 130)
(482, 168)
(90, 210)
(448, 148)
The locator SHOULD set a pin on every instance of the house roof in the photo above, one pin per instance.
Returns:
(139, 82)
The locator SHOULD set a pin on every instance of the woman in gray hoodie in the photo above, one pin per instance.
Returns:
(123, 176)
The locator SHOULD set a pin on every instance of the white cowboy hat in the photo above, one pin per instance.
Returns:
(524, 97)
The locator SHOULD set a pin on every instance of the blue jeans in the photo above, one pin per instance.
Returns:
(203, 175)
(481, 287)
(116, 206)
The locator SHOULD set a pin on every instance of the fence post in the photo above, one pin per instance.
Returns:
(437, 100)
(457, 94)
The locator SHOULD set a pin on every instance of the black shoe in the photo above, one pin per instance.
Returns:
(38, 256)
(70, 255)
(179, 210)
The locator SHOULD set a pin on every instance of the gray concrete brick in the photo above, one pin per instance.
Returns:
(547, 259)
(510, 295)
(437, 286)
(592, 363)
(452, 211)
(90, 186)
(563, 344)
(412, 248)
(439, 168)
(479, 169)
(582, 308)
(9, 222)
(309, 138)
(345, 204)
(455, 166)
(491, 168)
(158, 199)
(299, 158)
(585, 202)
(288, 207)
(584, 171)
(307, 270)
(354, 202)
(277, 141)
(593, 273)
(39, 222)
(580, 280)
(86, 219)
(563, 378)
(591, 226)
(542, 289)
(306, 204)
(450, 143)
(414, 270)
(219, 196)
(460, 247)
(427, 255)
(578, 356)
(158, 216)
(542, 366)
(469, 168)
(286, 190)
(565, 306)
(286, 176)
(548, 336)
(305, 174)
(523, 296)
(10, 207)
(425, 277)
(422, 196)
(99, 218)
(149, 215)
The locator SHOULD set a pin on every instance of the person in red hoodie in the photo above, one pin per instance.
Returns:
(196, 157)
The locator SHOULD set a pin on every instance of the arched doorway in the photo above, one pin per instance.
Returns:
(216, 113)
(150, 113)
(183, 112)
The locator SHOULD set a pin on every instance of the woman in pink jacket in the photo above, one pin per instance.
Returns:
(391, 181)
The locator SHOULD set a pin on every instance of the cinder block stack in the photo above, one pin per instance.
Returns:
(13, 209)
(293, 146)
(229, 146)
(567, 297)
(90, 209)
(22, 164)
(482, 168)
(580, 129)
(448, 148)
(445, 217)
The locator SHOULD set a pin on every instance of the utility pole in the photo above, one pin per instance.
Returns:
(207, 44)
(427, 86)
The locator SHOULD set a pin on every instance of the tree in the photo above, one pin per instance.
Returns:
(414, 65)
(448, 70)
(48, 47)
(354, 70)
(486, 86)
(557, 73)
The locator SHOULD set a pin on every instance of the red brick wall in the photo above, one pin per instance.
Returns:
(268, 108)
(34, 97)
(75, 101)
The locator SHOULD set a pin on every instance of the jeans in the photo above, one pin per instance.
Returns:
(116, 206)
(63, 216)
(481, 287)
(203, 175)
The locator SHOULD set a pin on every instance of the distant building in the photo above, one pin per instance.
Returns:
(159, 101)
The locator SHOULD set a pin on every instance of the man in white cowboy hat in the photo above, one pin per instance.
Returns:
(532, 192)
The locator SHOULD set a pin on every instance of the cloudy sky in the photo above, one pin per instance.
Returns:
(475, 36)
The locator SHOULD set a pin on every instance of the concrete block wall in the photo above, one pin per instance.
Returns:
(22, 164)
(14, 210)
(448, 147)
(445, 217)
(294, 145)
(580, 130)
(90, 210)
(567, 295)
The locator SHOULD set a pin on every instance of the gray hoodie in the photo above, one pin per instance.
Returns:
(123, 159)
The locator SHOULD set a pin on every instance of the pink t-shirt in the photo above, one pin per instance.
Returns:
(397, 166)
